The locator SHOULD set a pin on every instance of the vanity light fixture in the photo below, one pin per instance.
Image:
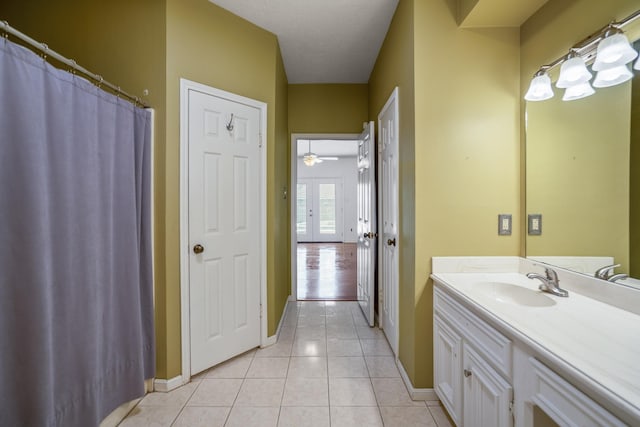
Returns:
(614, 50)
(612, 76)
(540, 88)
(578, 91)
(573, 71)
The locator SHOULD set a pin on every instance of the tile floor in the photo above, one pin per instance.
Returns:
(328, 368)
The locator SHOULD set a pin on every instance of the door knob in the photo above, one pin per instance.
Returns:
(467, 373)
(370, 235)
(198, 249)
(391, 242)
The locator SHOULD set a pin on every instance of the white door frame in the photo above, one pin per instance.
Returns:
(294, 196)
(185, 87)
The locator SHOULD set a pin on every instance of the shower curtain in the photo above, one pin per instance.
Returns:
(76, 308)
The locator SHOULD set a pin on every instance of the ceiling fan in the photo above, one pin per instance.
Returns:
(309, 158)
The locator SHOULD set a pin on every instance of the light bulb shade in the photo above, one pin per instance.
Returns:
(573, 72)
(614, 51)
(540, 88)
(578, 91)
(309, 160)
(612, 76)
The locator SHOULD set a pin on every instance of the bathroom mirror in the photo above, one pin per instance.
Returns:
(583, 177)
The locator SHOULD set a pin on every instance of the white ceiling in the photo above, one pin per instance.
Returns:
(322, 41)
(328, 147)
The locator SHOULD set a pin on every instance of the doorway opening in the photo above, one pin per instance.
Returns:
(324, 217)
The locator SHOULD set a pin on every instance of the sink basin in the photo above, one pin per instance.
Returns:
(508, 293)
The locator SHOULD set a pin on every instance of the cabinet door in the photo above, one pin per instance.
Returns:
(447, 368)
(487, 396)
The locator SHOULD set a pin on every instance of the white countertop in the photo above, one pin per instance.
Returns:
(599, 340)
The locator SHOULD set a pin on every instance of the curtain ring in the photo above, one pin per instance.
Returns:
(73, 66)
(45, 49)
(5, 32)
(100, 80)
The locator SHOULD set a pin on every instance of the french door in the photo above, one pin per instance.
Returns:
(319, 210)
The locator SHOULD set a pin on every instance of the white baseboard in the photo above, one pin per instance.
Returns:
(427, 394)
(167, 385)
(291, 298)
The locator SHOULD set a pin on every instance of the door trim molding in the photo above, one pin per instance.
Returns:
(394, 97)
(185, 87)
(294, 197)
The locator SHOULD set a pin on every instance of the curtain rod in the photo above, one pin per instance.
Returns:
(587, 47)
(69, 62)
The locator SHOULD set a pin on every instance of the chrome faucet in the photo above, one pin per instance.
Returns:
(619, 276)
(606, 272)
(550, 282)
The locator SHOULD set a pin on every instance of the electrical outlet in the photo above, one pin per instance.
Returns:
(534, 223)
(504, 224)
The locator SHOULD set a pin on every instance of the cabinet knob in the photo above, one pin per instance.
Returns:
(467, 373)
(391, 242)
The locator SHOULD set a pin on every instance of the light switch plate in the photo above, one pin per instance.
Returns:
(534, 224)
(504, 224)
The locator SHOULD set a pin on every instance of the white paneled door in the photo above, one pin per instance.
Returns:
(319, 210)
(366, 206)
(388, 224)
(224, 228)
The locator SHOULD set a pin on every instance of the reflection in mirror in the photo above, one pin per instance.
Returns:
(583, 177)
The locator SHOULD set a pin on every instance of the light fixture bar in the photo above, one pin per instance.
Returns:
(587, 47)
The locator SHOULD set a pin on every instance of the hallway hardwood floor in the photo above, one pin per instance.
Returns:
(327, 271)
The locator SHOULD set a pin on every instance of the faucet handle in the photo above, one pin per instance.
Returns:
(606, 271)
(552, 276)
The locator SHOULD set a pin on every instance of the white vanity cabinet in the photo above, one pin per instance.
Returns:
(447, 371)
(472, 366)
(497, 363)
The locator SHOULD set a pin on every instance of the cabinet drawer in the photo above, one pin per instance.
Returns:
(491, 344)
(564, 403)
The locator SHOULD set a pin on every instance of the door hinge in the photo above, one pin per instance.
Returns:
(260, 311)
(513, 414)
(260, 140)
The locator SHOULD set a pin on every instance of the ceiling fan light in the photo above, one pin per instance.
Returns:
(612, 76)
(578, 92)
(613, 51)
(573, 72)
(309, 160)
(540, 87)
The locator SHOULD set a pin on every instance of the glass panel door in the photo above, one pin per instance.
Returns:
(304, 210)
(327, 213)
(319, 210)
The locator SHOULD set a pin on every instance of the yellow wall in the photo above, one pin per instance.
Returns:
(209, 45)
(548, 34)
(327, 108)
(395, 67)
(634, 191)
(281, 250)
(150, 44)
(467, 146)
(459, 152)
(125, 43)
